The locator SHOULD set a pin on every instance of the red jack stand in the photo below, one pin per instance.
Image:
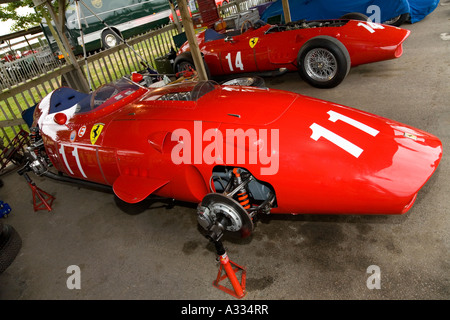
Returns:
(41, 199)
(231, 269)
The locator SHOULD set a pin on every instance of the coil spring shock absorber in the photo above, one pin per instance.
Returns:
(242, 194)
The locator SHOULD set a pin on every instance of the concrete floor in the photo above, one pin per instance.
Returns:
(160, 254)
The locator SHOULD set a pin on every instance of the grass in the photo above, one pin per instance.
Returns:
(12, 107)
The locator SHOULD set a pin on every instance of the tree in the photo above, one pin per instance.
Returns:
(32, 18)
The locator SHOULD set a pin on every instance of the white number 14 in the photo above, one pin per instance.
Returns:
(238, 61)
(370, 26)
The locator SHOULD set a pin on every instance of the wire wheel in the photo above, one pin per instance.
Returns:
(320, 64)
(323, 62)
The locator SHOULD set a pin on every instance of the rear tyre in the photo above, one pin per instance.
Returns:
(144, 205)
(185, 62)
(323, 62)
(246, 81)
(398, 20)
(131, 208)
(355, 16)
(10, 244)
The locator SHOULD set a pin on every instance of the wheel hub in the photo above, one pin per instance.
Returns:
(321, 65)
(218, 212)
(111, 40)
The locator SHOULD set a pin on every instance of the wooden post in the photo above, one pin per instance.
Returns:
(287, 12)
(192, 39)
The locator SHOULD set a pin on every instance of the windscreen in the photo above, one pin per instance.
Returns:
(198, 91)
(107, 95)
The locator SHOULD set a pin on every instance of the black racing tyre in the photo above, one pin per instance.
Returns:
(109, 39)
(323, 62)
(185, 62)
(246, 81)
(131, 208)
(10, 244)
(144, 205)
(355, 16)
(398, 20)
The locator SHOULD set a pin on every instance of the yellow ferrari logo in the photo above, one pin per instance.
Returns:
(253, 42)
(95, 132)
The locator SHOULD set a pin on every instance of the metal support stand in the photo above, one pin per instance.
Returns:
(41, 199)
(10, 152)
(231, 269)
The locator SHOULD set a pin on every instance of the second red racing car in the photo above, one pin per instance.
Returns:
(322, 51)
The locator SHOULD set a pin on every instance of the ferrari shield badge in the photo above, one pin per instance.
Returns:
(252, 42)
(95, 131)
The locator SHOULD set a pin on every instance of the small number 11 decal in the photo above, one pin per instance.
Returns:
(318, 131)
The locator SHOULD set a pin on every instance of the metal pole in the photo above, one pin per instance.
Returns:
(77, 6)
(115, 33)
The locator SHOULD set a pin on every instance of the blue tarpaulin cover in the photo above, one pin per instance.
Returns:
(334, 9)
(421, 8)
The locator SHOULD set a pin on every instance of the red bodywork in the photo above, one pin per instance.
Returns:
(270, 48)
(328, 158)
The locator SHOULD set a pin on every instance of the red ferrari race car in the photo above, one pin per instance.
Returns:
(321, 51)
(236, 151)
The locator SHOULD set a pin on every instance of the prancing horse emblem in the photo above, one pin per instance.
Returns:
(253, 41)
(95, 131)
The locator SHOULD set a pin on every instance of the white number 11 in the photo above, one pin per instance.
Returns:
(318, 131)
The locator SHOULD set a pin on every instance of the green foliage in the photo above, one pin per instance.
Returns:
(21, 22)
